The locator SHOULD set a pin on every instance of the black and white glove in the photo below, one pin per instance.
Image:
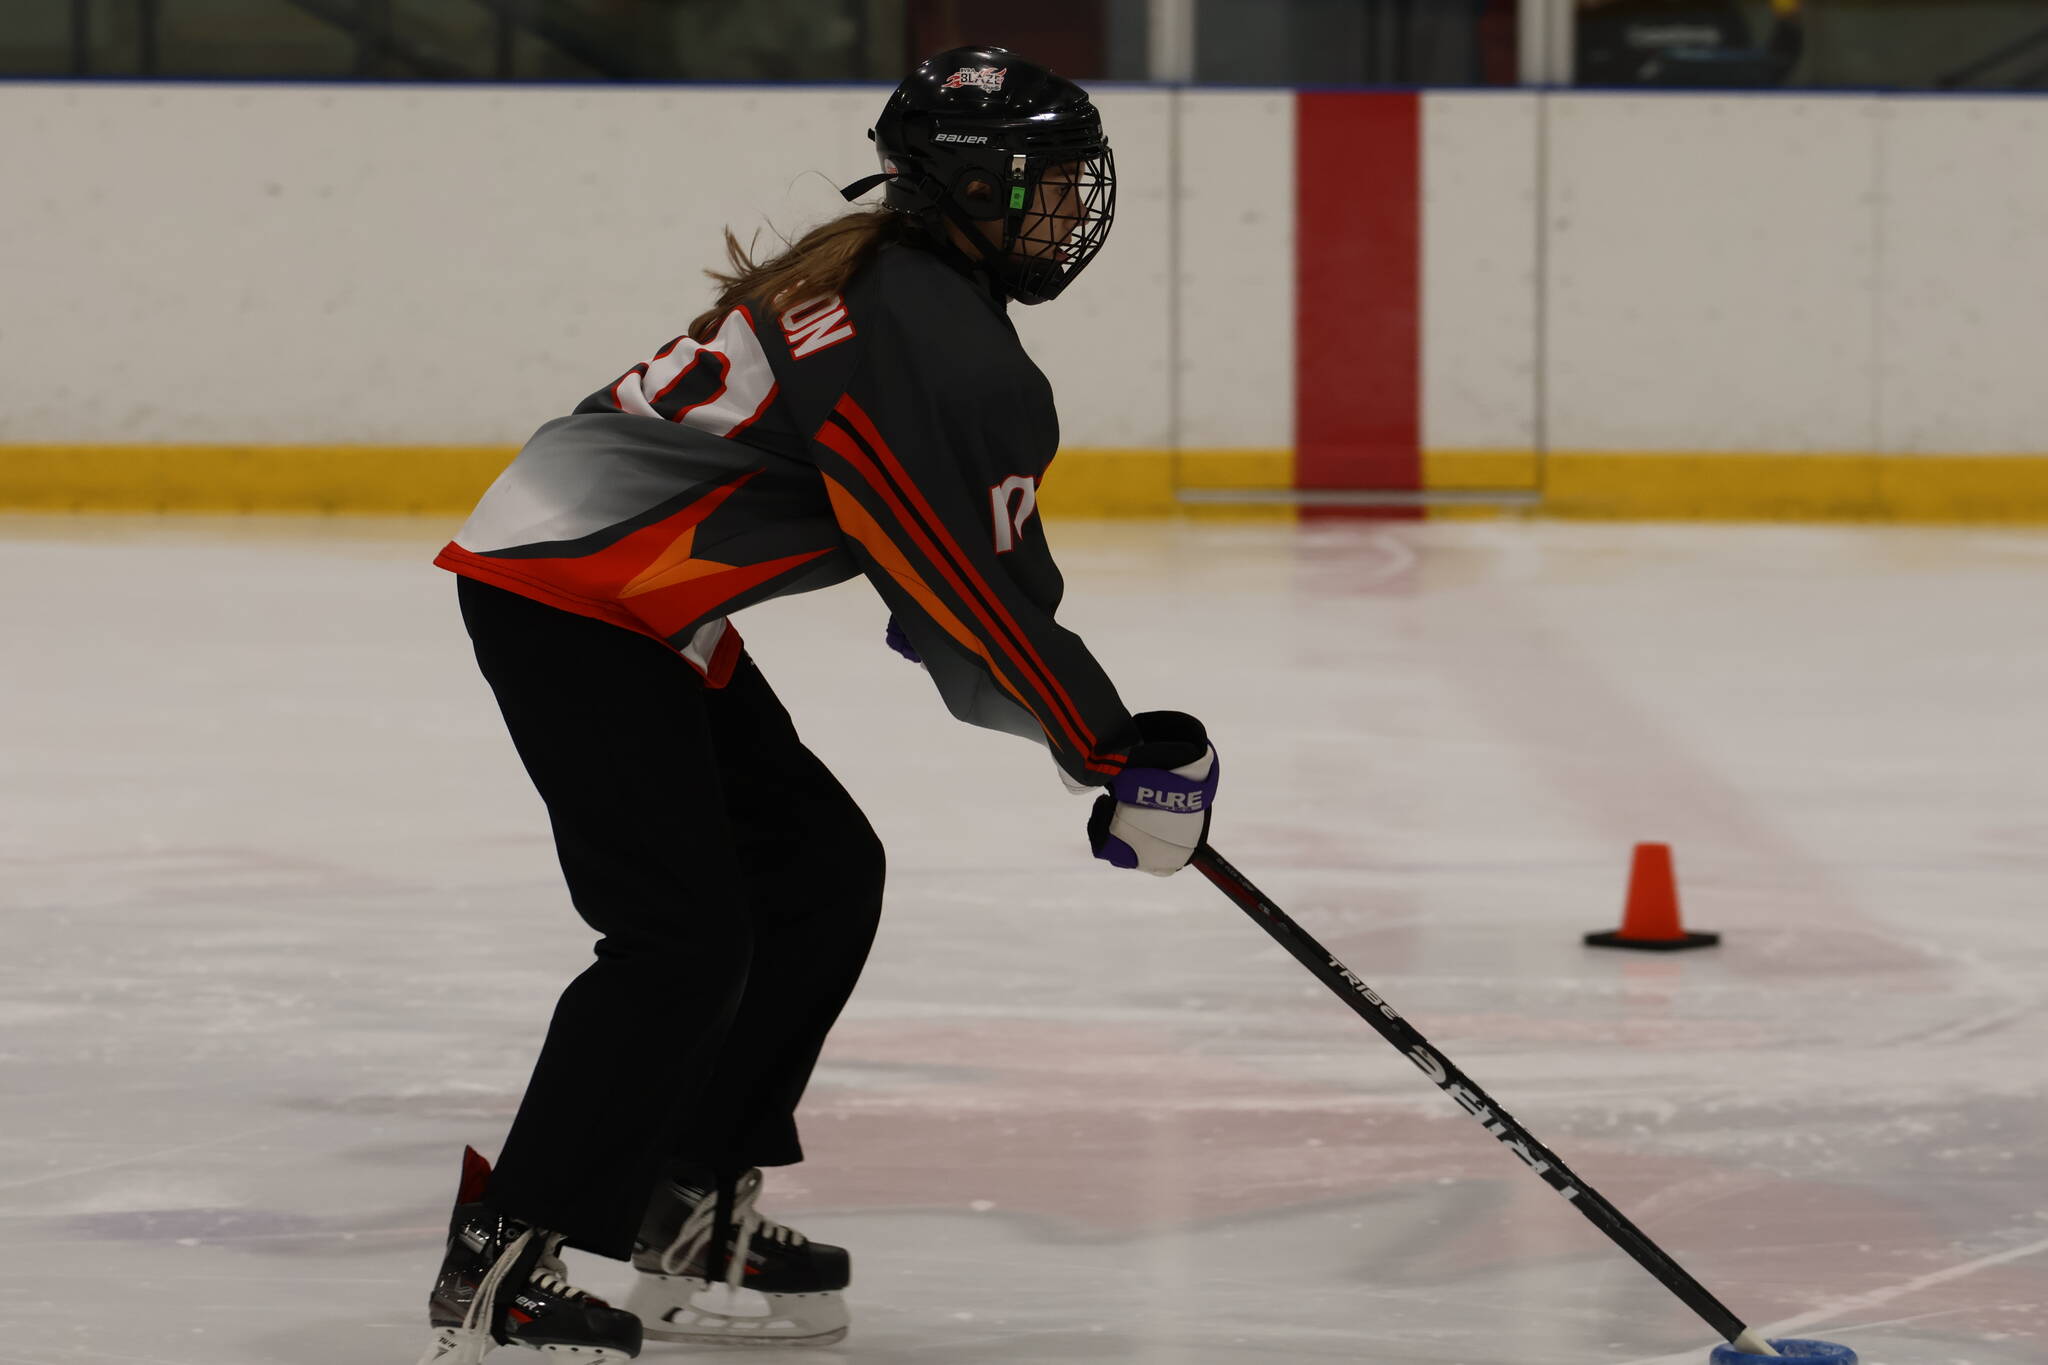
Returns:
(1156, 811)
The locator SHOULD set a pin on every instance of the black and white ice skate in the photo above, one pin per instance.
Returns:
(503, 1284)
(758, 1282)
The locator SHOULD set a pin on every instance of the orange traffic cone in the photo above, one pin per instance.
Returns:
(1651, 920)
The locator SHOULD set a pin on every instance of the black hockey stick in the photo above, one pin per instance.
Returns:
(1368, 1004)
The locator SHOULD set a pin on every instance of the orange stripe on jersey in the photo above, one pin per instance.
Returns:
(838, 439)
(855, 520)
(844, 443)
(503, 573)
(692, 589)
(649, 580)
(1044, 679)
(865, 426)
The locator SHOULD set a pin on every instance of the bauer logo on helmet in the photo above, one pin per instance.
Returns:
(989, 78)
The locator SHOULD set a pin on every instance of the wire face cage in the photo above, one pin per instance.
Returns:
(1058, 217)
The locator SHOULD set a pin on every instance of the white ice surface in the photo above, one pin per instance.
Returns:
(282, 930)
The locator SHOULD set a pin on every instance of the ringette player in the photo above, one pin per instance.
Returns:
(857, 405)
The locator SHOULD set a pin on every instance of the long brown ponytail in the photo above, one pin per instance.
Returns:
(816, 264)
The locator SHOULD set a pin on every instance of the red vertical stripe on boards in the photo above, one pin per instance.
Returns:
(1357, 291)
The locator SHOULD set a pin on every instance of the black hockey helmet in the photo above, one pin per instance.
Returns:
(979, 135)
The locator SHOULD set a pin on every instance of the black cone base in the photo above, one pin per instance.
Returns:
(1614, 938)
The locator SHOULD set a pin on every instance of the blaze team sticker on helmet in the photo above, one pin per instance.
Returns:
(988, 78)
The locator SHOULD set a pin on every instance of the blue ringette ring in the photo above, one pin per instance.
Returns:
(1793, 1348)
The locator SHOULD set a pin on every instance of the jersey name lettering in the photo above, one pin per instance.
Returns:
(811, 327)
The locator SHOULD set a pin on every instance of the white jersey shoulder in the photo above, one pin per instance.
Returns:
(744, 391)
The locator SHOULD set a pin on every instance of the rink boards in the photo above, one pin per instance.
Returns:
(361, 298)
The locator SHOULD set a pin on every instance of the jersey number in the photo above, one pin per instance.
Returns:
(1010, 520)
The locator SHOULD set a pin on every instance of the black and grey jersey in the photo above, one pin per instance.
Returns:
(898, 431)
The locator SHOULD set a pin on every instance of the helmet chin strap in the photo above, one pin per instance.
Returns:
(865, 184)
(990, 253)
(984, 262)
(997, 267)
(986, 259)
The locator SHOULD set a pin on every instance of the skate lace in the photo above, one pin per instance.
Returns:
(548, 1274)
(693, 1238)
(552, 1275)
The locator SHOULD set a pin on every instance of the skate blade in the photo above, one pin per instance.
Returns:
(669, 1311)
(455, 1346)
(695, 1336)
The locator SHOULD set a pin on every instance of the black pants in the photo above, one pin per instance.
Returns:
(736, 887)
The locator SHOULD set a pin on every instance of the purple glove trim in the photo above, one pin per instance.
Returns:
(1116, 852)
(1163, 789)
(898, 641)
